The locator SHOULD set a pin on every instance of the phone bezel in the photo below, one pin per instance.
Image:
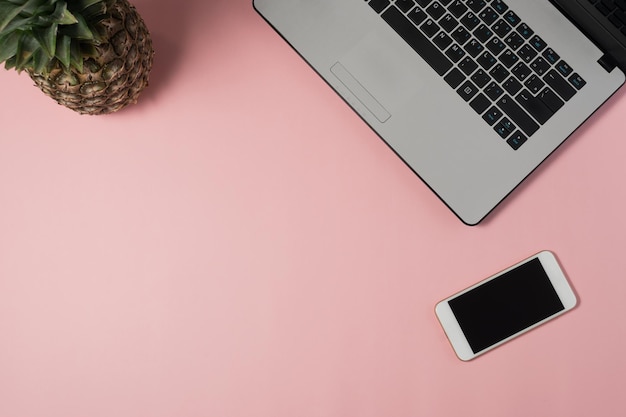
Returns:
(453, 330)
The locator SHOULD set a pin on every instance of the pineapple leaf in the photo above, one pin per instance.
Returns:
(80, 30)
(68, 18)
(8, 13)
(40, 61)
(25, 49)
(63, 50)
(30, 7)
(47, 39)
(9, 45)
(76, 58)
(10, 63)
(83, 4)
(11, 11)
(16, 23)
(94, 12)
(59, 16)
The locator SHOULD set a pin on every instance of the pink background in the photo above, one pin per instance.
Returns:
(241, 244)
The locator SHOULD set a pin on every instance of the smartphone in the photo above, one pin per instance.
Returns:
(505, 305)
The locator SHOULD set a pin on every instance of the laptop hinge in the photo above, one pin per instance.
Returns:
(607, 62)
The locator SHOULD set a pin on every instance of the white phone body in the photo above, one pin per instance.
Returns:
(505, 305)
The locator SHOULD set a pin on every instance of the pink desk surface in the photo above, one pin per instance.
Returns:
(240, 244)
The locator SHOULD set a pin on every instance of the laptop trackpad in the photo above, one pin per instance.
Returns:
(360, 92)
(374, 72)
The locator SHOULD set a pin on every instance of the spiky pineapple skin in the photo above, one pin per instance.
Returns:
(116, 76)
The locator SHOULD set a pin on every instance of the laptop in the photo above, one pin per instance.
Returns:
(472, 95)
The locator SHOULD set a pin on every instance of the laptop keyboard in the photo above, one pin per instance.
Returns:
(614, 10)
(495, 62)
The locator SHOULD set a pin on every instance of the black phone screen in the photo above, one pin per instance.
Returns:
(506, 305)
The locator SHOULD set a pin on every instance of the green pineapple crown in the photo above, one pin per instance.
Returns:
(37, 35)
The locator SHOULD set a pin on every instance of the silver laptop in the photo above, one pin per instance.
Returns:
(471, 94)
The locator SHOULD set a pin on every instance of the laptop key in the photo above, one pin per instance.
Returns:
(496, 46)
(516, 140)
(486, 60)
(461, 35)
(467, 90)
(577, 81)
(457, 8)
(467, 65)
(442, 40)
(508, 125)
(499, 73)
(417, 15)
(454, 78)
(493, 91)
(540, 66)
(525, 31)
(480, 103)
(483, 33)
(603, 9)
(481, 78)
(527, 53)
(534, 84)
(474, 48)
(550, 99)
(512, 86)
(476, 5)
(514, 41)
(512, 18)
(504, 128)
(492, 116)
(534, 106)
(405, 5)
(448, 23)
(564, 68)
(501, 28)
(488, 15)
(499, 6)
(455, 53)
(558, 84)
(551, 56)
(518, 115)
(470, 21)
(379, 5)
(508, 58)
(521, 71)
(420, 43)
(436, 10)
(430, 28)
(538, 43)
(616, 20)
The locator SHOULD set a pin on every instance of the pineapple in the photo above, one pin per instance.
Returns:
(92, 56)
